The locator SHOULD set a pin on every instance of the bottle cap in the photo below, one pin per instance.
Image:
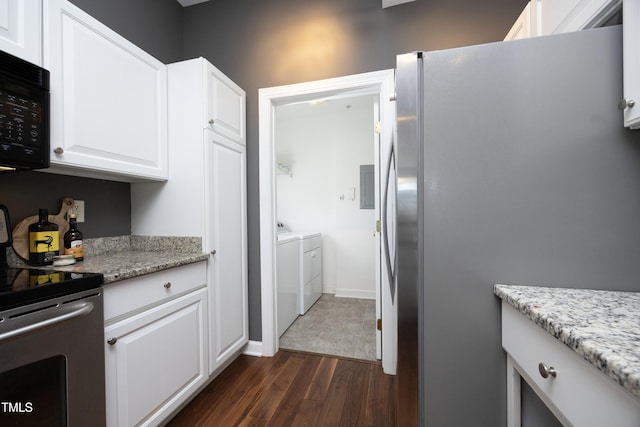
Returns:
(73, 216)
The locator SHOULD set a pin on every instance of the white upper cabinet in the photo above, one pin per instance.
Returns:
(631, 54)
(544, 17)
(108, 100)
(21, 29)
(527, 23)
(573, 15)
(225, 106)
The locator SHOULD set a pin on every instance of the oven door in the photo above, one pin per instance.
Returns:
(52, 362)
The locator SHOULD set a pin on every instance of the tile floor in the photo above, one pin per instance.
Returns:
(335, 326)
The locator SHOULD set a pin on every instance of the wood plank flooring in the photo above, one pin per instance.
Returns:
(295, 389)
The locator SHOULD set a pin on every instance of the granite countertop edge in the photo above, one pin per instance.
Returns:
(148, 267)
(125, 257)
(618, 359)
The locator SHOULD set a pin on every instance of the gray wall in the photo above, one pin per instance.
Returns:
(107, 203)
(277, 42)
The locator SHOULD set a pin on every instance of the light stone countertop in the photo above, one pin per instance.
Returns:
(125, 257)
(601, 326)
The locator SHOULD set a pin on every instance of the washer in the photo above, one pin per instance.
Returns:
(287, 279)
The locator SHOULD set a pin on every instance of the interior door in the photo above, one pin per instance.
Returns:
(378, 234)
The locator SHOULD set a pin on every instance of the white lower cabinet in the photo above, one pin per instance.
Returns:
(578, 394)
(156, 356)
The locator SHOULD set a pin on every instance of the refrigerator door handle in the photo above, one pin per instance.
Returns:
(387, 250)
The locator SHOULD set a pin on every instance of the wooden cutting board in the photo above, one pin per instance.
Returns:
(21, 230)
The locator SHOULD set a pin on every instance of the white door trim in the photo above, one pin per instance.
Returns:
(378, 82)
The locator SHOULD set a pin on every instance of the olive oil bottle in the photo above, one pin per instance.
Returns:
(44, 240)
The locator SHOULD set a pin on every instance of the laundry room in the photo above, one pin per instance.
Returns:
(325, 154)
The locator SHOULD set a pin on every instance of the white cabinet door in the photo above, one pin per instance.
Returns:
(21, 29)
(225, 106)
(226, 239)
(155, 360)
(574, 15)
(631, 55)
(526, 24)
(108, 99)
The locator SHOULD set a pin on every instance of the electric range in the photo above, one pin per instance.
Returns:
(22, 286)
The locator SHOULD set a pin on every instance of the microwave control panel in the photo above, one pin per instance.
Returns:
(20, 120)
(23, 123)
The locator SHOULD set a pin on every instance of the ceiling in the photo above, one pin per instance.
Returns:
(186, 3)
(385, 3)
(324, 106)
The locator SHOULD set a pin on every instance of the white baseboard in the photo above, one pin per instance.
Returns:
(328, 289)
(355, 293)
(253, 348)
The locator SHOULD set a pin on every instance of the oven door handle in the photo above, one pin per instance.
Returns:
(42, 320)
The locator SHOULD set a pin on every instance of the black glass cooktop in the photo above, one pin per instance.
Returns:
(21, 286)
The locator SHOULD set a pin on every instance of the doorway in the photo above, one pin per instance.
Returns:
(325, 152)
(376, 83)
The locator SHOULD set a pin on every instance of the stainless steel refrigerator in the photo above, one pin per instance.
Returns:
(513, 166)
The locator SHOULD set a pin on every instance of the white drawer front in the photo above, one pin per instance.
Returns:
(580, 394)
(134, 294)
(311, 243)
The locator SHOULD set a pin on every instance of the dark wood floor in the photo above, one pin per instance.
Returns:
(295, 389)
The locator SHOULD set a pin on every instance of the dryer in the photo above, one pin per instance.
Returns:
(310, 278)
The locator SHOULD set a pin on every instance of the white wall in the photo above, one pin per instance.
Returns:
(324, 146)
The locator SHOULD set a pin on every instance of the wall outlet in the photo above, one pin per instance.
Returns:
(78, 209)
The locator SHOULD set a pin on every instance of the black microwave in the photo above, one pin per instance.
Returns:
(24, 114)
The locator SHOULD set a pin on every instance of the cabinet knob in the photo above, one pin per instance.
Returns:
(58, 150)
(624, 103)
(167, 285)
(112, 341)
(213, 252)
(547, 371)
(211, 122)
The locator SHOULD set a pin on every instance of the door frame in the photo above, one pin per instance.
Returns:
(381, 83)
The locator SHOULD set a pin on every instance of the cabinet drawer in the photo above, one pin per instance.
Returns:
(580, 394)
(138, 293)
(311, 243)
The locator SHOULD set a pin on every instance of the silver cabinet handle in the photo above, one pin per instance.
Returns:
(213, 252)
(211, 122)
(624, 103)
(58, 150)
(547, 371)
(167, 285)
(112, 341)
